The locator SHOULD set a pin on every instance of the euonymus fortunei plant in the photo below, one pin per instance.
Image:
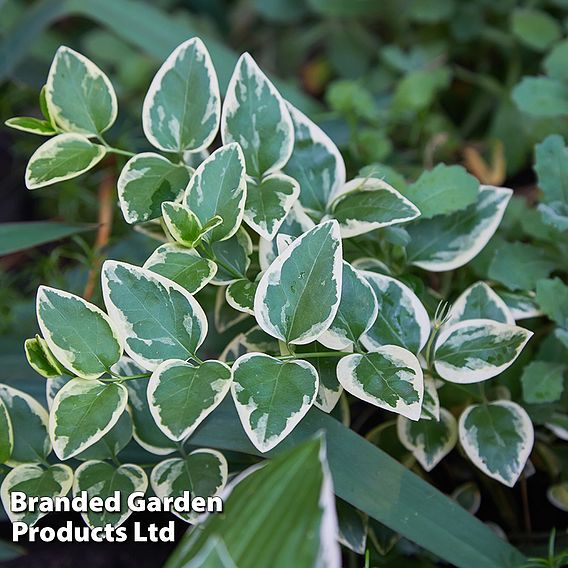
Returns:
(335, 281)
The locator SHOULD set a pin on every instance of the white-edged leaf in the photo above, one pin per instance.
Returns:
(79, 334)
(315, 163)
(112, 443)
(29, 420)
(431, 400)
(402, 319)
(79, 96)
(468, 496)
(272, 396)
(52, 387)
(365, 204)
(255, 115)
(6, 434)
(476, 350)
(219, 187)
(62, 157)
(182, 395)
(298, 296)
(429, 440)
(41, 359)
(145, 182)
(232, 257)
(182, 108)
(389, 377)
(268, 203)
(182, 224)
(203, 473)
(240, 295)
(479, 301)
(82, 413)
(498, 438)
(182, 265)
(102, 479)
(156, 318)
(225, 316)
(521, 304)
(357, 311)
(446, 242)
(35, 481)
(31, 125)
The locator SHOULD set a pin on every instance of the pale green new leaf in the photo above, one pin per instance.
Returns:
(6, 434)
(82, 413)
(366, 204)
(41, 359)
(145, 182)
(476, 350)
(102, 479)
(218, 187)
(430, 441)
(272, 396)
(182, 395)
(401, 320)
(446, 242)
(298, 296)
(479, 301)
(542, 382)
(65, 156)
(255, 116)
(80, 98)
(389, 377)
(268, 203)
(558, 495)
(203, 473)
(295, 526)
(31, 125)
(156, 318)
(498, 438)
(357, 311)
(182, 223)
(182, 265)
(240, 295)
(182, 108)
(316, 163)
(35, 481)
(29, 420)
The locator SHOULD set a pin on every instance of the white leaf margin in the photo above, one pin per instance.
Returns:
(458, 307)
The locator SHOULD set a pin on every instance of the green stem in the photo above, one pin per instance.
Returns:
(113, 150)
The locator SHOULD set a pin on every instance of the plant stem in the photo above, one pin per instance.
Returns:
(120, 152)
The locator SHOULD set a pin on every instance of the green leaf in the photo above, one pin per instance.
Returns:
(82, 413)
(519, 266)
(218, 187)
(29, 421)
(182, 265)
(558, 495)
(203, 473)
(232, 257)
(41, 359)
(389, 377)
(145, 182)
(352, 527)
(65, 156)
(101, 479)
(272, 396)
(182, 107)
(32, 125)
(535, 28)
(555, 215)
(446, 242)
(551, 168)
(542, 382)
(225, 315)
(157, 319)
(541, 97)
(366, 204)
(401, 320)
(78, 333)
(255, 116)
(298, 296)
(555, 62)
(15, 237)
(182, 395)
(182, 223)
(112, 443)
(431, 401)
(35, 481)
(418, 89)
(240, 295)
(79, 96)
(6, 434)
(357, 311)
(430, 441)
(476, 350)
(521, 304)
(468, 496)
(498, 438)
(443, 190)
(268, 202)
(315, 163)
(294, 526)
(552, 297)
(479, 301)
(44, 109)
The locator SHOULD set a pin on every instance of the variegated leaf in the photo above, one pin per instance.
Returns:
(240, 295)
(6, 434)
(31, 125)
(232, 258)
(479, 301)
(41, 359)
(272, 396)
(182, 223)
(522, 305)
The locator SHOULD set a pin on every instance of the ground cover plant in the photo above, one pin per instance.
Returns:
(426, 312)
